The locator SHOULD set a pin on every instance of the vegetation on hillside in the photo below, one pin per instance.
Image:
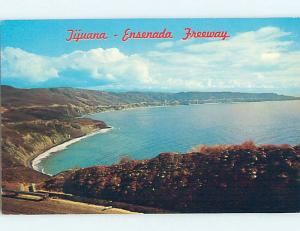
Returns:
(237, 178)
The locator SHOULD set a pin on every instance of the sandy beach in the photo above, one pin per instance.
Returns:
(37, 160)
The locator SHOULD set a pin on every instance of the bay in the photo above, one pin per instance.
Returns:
(143, 133)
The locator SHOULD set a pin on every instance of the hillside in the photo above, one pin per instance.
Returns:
(62, 103)
(15, 97)
(33, 121)
(237, 178)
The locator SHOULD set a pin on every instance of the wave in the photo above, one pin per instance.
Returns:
(36, 161)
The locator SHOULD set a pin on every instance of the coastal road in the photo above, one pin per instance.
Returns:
(54, 206)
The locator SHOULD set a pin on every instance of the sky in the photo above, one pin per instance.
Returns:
(261, 55)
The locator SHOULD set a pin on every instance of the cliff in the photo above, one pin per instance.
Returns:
(239, 178)
(33, 121)
(24, 140)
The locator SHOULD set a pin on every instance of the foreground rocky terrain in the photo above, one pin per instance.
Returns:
(237, 178)
(55, 206)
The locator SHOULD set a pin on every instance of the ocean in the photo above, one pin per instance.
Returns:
(143, 133)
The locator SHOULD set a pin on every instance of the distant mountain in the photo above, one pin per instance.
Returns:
(14, 97)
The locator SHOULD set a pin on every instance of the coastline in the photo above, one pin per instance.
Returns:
(34, 163)
(35, 160)
(176, 105)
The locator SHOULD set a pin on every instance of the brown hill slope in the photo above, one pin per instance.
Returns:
(59, 103)
(34, 120)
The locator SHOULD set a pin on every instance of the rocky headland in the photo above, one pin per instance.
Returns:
(233, 178)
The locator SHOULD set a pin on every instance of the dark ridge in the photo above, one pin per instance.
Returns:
(234, 178)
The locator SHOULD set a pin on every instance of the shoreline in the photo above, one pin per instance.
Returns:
(174, 105)
(34, 163)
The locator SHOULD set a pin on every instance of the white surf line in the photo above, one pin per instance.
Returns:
(36, 161)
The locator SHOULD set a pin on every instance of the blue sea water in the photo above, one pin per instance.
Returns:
(145, 132)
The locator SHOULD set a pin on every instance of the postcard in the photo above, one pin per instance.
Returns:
(125, 116)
